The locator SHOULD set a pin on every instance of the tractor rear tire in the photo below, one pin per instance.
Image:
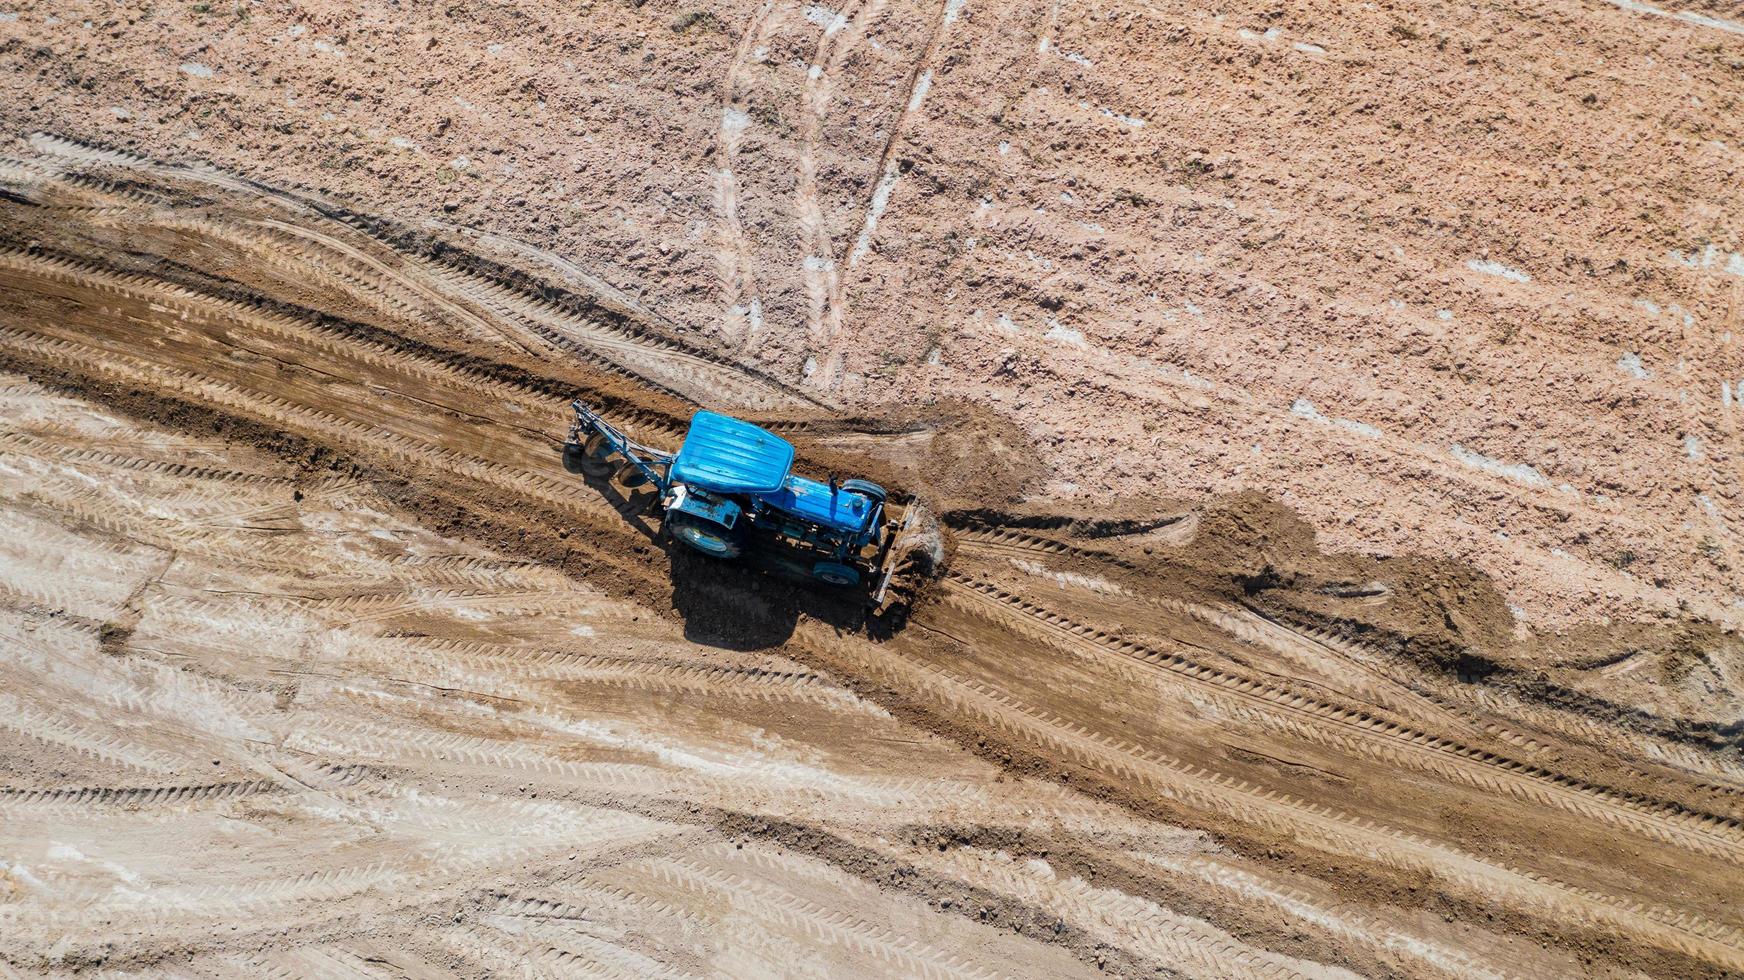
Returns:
(705, 536)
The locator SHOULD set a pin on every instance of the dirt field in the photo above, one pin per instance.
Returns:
(1334, 412)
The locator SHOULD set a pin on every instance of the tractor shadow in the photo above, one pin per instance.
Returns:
(750, 603)
(634, 506)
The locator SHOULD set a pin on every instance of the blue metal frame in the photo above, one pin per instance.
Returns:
(653, 463)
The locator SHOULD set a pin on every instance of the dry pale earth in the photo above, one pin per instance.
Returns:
(1334, 410)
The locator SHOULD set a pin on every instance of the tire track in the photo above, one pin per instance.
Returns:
(279, 411)
(1191, 947)
(290, 373)
(484, 660)
(1008, 542)
(562, 952)
(66, 497)
(832, 314)
(823, 282)
(351, 359)
(638, 354)
(608, 297)
(55, 146)
(463, 569)
(20, 716)
(1337, 917)
(332, 428)
(35, 175)
(317, 335)
(399, 294)
(894, 953)
(743, 323)
(77, 585)
(1183, 945)
(502, 671)
(666, 365)
(193, 510)
(1567, 724)
(517, 830)
(1355, 730)
(363, 609)
(1329, 828)
(640, 908)
(1340, 671)
(79, 799)
(894, 801)
(1258, 627)
(193, 714)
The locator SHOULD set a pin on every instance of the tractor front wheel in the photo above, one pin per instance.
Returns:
(706, 536)
(865, 488)
(835, 573)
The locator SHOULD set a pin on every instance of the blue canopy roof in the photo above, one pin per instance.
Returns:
(730, 456)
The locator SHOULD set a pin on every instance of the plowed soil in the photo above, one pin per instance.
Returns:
(1332, 413)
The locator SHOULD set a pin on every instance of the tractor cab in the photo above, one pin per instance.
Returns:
(730, 456)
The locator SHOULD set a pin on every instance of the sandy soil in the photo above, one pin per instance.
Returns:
(317, 660)
(1333, 413)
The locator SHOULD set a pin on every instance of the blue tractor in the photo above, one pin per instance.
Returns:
(730, 488)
